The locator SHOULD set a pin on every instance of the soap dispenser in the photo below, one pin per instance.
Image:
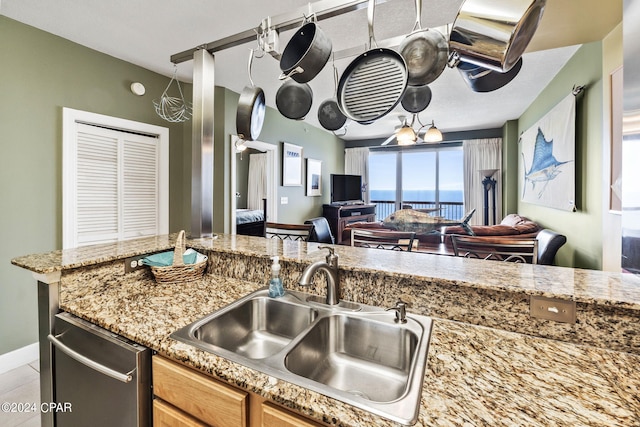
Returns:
(276, 289)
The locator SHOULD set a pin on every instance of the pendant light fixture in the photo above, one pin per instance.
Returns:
(406, 135)
(433, 134)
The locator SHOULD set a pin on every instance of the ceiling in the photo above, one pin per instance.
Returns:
(148, 32)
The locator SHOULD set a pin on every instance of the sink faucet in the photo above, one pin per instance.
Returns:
(330, 268)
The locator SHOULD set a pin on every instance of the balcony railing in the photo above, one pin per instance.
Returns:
(448, 210)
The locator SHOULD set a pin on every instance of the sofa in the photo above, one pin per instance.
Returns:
(513, 225)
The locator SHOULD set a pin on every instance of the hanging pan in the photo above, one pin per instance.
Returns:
(480, 35)
(424, 51)
(251, 109)
(306, 54)
(294, 99)
(373, 83)
(329, 114)
(416, 98)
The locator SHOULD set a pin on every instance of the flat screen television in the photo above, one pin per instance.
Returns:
(346, 189)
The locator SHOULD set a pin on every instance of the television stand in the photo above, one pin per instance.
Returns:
(337, 204)
(340, 216)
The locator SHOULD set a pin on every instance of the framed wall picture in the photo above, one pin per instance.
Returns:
(291, 165)
(314, 177)
(548, 155)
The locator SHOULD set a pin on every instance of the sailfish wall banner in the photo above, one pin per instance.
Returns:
(548, 158)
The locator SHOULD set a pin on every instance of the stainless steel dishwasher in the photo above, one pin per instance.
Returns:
(100, 378)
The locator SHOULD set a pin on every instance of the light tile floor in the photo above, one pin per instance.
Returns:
(20, 386)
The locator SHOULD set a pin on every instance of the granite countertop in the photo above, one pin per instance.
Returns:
(475, 375)
(588, 286)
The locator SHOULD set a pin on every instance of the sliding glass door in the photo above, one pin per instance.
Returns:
(421, 178)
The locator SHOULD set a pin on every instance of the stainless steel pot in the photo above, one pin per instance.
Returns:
(425, 52)
(494, 34)
(373, 83)
(482, 79)
(306, 54)
(251, 109)
(294, 99)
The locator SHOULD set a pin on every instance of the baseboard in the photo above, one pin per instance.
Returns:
(19, 357)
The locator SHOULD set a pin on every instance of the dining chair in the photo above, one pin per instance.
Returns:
(391, 240)
(275, 230)
(321, 231)
(498, 248)
(548, 244)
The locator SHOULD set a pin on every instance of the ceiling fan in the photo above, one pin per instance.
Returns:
(405, 134)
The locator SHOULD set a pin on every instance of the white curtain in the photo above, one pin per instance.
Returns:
(482, 154)
(356, 162)
(257, 181)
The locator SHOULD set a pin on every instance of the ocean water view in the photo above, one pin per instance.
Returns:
(418, 195)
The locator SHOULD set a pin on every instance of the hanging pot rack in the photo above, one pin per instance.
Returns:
(323, 9)
(270, 26)
(203, 99)
(204, 81)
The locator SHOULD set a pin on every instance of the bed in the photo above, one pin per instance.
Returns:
(250, 222)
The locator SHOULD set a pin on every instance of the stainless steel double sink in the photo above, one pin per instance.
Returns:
(355, 353)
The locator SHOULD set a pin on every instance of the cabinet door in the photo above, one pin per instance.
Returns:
(203, 397)
(165, 415)
(273, 416)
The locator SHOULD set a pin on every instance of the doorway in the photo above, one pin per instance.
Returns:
(271, 152)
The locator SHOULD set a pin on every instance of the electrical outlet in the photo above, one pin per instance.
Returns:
(555, 309)
(133, 263)
(284, 200)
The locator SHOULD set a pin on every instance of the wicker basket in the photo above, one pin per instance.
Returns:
(179, 272)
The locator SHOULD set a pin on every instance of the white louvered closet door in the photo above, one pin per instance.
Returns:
(117, 186)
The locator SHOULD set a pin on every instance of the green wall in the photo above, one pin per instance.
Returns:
(584, 227)
(40, 74)
(510, 157)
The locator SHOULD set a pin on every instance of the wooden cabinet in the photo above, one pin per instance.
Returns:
(273, 416)
(165, 415)
(340, 216)
(198, 395)
(187, 398)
